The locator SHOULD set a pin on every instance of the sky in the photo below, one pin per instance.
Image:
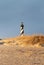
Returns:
(13, 12)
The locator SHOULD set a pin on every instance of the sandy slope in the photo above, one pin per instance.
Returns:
(13, 55)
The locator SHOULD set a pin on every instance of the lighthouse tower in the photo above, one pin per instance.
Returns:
(22, 29)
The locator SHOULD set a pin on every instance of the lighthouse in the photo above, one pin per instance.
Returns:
(21, 29)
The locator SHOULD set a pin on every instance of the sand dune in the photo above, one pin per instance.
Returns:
(26, 40)
(22, 50)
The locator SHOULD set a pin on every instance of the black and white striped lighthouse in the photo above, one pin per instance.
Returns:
(22, 29)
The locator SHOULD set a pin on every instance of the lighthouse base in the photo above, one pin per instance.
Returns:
(22, 35)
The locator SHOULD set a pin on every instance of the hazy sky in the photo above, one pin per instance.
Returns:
(12, 12)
